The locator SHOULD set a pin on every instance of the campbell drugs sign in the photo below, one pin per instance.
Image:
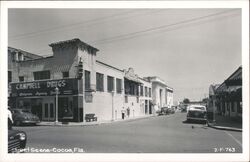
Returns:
(44, 88)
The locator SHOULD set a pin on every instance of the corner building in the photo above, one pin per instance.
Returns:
(82, 85)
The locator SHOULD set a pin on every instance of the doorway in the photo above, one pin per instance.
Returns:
(48, 112)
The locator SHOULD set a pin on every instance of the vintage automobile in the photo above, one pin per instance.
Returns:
(173, 108)
(164, 111)
(24, 116)
(196, 112)
(16, 139)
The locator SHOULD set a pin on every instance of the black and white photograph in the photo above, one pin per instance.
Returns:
(153, 83)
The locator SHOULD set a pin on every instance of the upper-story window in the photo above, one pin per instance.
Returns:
(110, 83)
(149, 92)
(21, 78)
(41, 75)
(141, 90)
(65, 74)
(118, 85)
(87, 80)
(146, 91)
(99, 82)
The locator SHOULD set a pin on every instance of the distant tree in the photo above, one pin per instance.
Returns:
(186, 101)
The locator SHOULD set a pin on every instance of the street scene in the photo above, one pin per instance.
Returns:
(162, 134)
(160, 80)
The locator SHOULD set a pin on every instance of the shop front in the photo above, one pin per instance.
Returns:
(41, 97)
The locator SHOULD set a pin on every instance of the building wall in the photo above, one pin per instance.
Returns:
(145, 98)
(159, 101)
(103, 101)
(169, 98)
(132, 107)
(65, 61)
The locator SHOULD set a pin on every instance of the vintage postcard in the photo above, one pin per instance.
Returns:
(125, 81)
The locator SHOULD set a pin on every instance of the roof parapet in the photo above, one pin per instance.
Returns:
(74, 42)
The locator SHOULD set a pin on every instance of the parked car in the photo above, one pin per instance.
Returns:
(197, 112)
(165, 111)
(16, 139)
(173, 108)
(24, 116)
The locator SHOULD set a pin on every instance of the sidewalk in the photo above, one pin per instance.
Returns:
(226, 123)
(91, 123)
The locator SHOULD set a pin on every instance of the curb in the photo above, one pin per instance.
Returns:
(224, 128)
(69, 125)
(60, 124)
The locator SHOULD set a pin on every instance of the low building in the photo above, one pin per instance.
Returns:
(229, 95)
(76, 83)
(226, 99)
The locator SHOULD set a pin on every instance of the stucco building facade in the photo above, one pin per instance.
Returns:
(84, 85)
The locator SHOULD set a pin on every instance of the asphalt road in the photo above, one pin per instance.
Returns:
(162, 134)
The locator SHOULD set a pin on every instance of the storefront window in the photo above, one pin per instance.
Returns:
(65, 110)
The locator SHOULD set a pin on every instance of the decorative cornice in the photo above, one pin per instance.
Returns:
(130, 75)
(74, 43)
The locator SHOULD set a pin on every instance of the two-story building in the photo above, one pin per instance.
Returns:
(76, 83)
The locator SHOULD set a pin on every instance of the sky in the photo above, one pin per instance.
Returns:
(189, 49)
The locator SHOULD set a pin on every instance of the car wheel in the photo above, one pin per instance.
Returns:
(17, 123)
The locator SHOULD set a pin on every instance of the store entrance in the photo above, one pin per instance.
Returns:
(48, 112)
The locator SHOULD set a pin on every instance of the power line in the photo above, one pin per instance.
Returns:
(134, 34)
(147, 31)
(85, 23)
(69, 25)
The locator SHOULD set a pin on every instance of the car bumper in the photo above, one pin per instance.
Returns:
(30, 122)
(194, 118)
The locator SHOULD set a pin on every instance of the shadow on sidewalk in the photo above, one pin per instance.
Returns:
(224, 121)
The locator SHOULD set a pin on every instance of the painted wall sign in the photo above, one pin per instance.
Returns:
(45, 88)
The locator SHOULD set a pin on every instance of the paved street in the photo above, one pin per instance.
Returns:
(163, 134)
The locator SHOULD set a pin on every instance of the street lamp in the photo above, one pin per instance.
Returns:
(57, 92)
